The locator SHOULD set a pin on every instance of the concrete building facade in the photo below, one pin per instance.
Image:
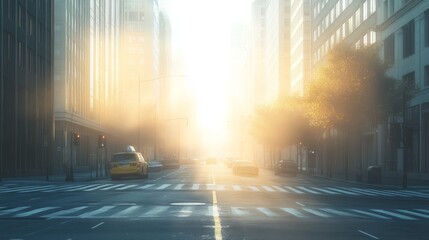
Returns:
(403, 29)
(26, 87)
(86, 79)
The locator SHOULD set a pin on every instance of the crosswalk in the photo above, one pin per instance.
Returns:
(345, 191)
(172, 211)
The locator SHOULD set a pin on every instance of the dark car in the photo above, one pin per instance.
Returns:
(287, 167)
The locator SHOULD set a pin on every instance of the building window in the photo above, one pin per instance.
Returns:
(20, 54)
(21, 16)
(365, 10)
(409, 79)
(408, 41)
(426, 75)
(372, 6)
(357, 18)
(30, 25)
(427, 28)
(389, 50)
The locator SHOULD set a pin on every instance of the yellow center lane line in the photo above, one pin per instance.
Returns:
(216, 218)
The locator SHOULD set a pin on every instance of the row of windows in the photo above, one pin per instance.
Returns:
(362, 13)
(367, 39)
(408, 40)
(22, 51)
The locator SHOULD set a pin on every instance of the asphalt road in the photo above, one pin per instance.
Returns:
(202, 201)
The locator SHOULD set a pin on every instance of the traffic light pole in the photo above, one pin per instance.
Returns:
(69, 176)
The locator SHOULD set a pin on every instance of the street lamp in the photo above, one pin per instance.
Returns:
(155, 107)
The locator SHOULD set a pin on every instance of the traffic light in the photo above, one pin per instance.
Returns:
(76, 139)
(101, 141)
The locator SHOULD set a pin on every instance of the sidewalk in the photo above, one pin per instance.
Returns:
(385, 182)
(79, 175)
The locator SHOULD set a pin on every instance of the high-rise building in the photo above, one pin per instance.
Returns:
(257, 52)
(87, 80)
(26, 88)
(335, 21)
(277, 48)
(142, 71)
(300, 47)
(403, 28)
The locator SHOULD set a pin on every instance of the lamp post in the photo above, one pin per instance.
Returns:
(155, 106)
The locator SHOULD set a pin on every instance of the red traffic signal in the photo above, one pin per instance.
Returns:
(101, 141)
(76, 139)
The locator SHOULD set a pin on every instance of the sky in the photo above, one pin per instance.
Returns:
(201, 31)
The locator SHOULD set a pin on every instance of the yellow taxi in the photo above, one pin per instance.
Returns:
(128, 164)
(243, 167)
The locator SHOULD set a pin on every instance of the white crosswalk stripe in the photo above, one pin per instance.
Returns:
(112, 187)
(352, 191)
(137, 211)
(128, 212)
(293, 190)
(308, 190)
(397, 215)
(65, 212)
(155, 211)
(146, 186)
(96, 212)
(294, 212)
(325, 191)
(268, 189)
(126, 187)
(35, 211)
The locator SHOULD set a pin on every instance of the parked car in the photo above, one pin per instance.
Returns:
(211, 160)
(129, 163)
(155, 166)
(243, 167)
(287, 167)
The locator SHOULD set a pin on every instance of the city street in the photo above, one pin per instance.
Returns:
(200, 201)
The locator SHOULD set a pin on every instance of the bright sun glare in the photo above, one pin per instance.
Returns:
(202, 33)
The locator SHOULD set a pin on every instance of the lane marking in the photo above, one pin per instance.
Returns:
(65, 212)
(146, 186)
(216, 218)
(114, 186)
(239, 211)
(98, 225)
(280, 189)
(126, 187)
(195, 186)
(236, 187)
(370, 214)
(98, 187)
(96, 212)
(413, 213)
(317, 213)
(126, 212)
(268, 189)
(179, 186)
(324, 190)
(293, 190)
(300, 204)
(307, 190)
(367, 234)
(255, 189)
(155, 211)
(35, 211)
(294, 212)
(397, 215)
(163, 186)
(267, 212)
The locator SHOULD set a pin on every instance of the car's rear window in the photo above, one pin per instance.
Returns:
(124, 157)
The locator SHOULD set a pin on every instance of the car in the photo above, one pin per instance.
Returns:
(287, 167)
(211, 160)
(155, 166)
(243, 167)
(126, 164)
